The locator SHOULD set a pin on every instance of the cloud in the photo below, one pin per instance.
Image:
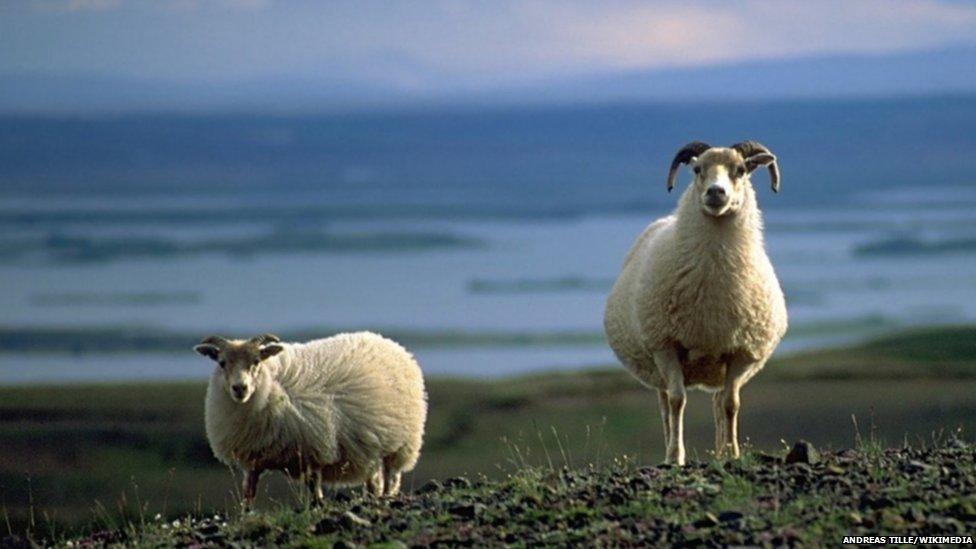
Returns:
(458, 43)
(75, 5)
(149, 5)
(642, 35)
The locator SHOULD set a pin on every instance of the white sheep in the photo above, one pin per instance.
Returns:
(697, 303)
(344, 410)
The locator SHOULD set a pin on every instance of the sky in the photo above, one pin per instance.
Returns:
(451, 44)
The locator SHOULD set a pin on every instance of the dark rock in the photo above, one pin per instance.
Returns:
(706, 521)
(430, 487)
(397, 504)
(468, 511)
(457, 482)
(913, 514)
(326, 526)
(803, 452)
(915, 466)
(638, 483)
(730, 516)
(768, 459)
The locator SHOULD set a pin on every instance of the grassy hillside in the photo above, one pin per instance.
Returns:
(762, 499)
(74, 455)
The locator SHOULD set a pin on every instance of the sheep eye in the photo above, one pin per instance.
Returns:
(253, 364)
(222, 364)
(697, 170)
(740, 171)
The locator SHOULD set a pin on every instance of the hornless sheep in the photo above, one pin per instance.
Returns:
(347, 409)
(697, 303)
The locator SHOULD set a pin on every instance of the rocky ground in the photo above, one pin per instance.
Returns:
(802, 497)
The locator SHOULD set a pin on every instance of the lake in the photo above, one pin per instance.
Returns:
(486, 241)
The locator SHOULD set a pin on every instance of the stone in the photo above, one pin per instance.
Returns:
(730, 516)
(916, 466)
(457, 482)
(706, 521)
(468, 510)
(430, 487)
(803, 452)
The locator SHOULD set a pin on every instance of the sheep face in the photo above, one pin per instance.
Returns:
(722, 174)
(721, 181)
(239, 361)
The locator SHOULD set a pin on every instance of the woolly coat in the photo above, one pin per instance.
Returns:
(342, 406)
(702, 285)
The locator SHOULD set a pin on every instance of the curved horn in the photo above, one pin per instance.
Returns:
(684, 156)
(264, 339)
(763, 157)
(213, 340)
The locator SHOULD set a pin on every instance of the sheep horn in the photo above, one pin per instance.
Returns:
(214, 340)
(749, 149)
(264, 339)
(684, 156)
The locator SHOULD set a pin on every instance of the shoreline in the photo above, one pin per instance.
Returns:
(879, 357)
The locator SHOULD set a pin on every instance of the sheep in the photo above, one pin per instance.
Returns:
(344, 410)
(697, 303)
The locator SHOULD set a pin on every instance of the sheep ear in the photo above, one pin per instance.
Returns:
(208, 350)
(270, 350)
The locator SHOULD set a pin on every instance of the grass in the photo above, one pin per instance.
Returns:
(74, 458)
(759, 500)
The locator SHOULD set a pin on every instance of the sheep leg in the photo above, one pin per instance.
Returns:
(250, 487)
(718, 411)
(730, 406)
(662, 399)
(670, 368)
(392, 482)
(738, 373)
(314, 482)
(374, 484)
(391, 478)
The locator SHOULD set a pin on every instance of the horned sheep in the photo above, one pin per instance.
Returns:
(697, 303)
(344, 410)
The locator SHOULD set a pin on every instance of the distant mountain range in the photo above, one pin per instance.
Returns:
(931, 72)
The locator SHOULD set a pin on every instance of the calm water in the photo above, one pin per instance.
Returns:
(489, 224)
